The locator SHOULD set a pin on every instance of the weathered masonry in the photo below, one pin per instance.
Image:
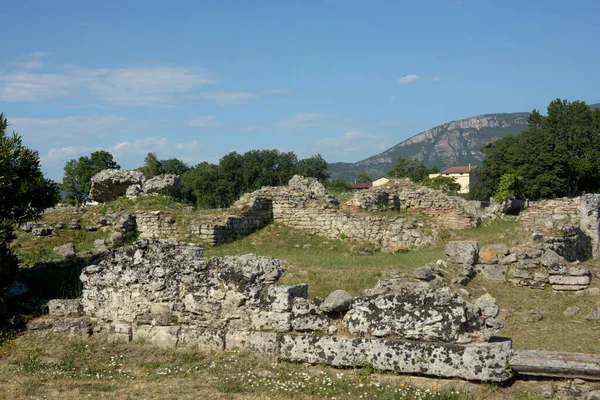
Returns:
(169, 295)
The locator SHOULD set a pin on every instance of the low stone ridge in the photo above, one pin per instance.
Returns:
(111, 184)
(171, 296)
(465, 252)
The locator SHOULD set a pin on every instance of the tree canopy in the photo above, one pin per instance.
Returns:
(558, 155)
(413, 169)
(217, 186)
(24, 193)
(78, 174)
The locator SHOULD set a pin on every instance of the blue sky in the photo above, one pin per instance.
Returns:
(347, 79)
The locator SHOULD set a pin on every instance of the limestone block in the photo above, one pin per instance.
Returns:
(569, 288)
(65, 307)
(579, 270)
(65, 250)
(280, 298)
(200, 338)
(464, 252)
(261, 342)
(488, 255)
(520, 273)
(550, 259)
(492, 272)
(485, 362)
(568, 280)
(270, 321)
(160, 336)
(110, 184)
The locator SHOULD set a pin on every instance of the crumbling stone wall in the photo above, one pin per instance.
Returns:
(205, 227)
(551, 214)
(169, 295)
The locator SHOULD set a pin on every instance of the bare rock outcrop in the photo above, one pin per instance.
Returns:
(166, 185)
(111, 184)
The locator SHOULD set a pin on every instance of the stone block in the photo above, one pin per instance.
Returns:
(484, 362)
(281, 298)
(520, 273)
(337, 301)
(270, 321)
(261, 342)
(65, 307)
(579, 270)
(568, 288)
(569, 280)
(464, 252)
(160, 336)
(201, 338)
(488, 255)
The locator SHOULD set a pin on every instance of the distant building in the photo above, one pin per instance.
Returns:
(462, 175)
(380, 182)
(360, 186)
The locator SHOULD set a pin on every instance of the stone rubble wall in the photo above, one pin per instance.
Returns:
(204, 228)
(171, 296)
(533, 266)
(552, 214)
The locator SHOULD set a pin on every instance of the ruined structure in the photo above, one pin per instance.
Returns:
(169, 295)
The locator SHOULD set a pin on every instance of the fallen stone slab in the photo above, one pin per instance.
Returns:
(482, 362)
(556, 364)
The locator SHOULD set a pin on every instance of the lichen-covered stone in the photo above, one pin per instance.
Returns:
(111, 184)
(487, 361)
(166, 185)
(432, 315)
(65, 307)
(281, 298)
(337, 301)
(464, 252)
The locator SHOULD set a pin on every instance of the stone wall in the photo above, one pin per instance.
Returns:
(169, 295)
(207, 228)
(552, 214)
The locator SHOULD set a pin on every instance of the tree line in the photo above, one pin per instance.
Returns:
(204, 185)
(557, 155)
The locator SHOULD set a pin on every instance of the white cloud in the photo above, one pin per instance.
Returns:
(223, 97)
(60, 131)
(407, 79)
(149, 86)
(277, 91)
(33, 60)
(352, 141)
(304, 120)
(206, 121)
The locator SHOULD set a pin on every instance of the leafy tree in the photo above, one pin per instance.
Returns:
(314, 167)
(78, 174)
(558, 155)
(510, 187)
(24, 194)
(174, 166)
(443, 183)
(363, 178)
(152, 166)
(413, 169)
(336, 186)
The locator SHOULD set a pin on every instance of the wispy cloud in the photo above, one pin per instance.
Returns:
(353, 141)
(223, 97)
(148, 86)
(277, 91)
(206, 121)
(33, 60)
(392, 98)
(407, 79)
(73, 129)
(304, 120)
(251, 128)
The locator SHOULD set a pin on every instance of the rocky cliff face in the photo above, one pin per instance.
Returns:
(453, 143)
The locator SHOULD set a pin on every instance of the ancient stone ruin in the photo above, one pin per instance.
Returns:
(170, 295)
(110, 184)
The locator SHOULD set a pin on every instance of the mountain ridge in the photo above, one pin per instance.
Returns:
(456, 142)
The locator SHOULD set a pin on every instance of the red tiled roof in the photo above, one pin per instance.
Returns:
(364, 185)
(459, 170)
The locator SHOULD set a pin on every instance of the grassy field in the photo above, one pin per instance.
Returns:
(54, 368)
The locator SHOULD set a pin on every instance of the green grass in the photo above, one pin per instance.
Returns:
(327, 264)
